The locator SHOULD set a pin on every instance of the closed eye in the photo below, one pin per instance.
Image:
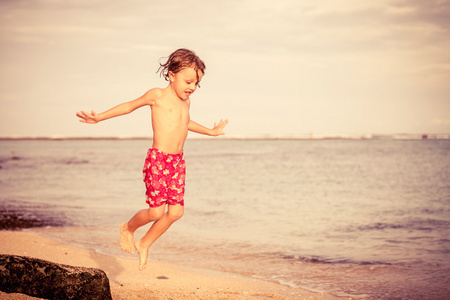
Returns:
(197, 83)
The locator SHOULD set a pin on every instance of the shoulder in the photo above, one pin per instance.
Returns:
(155, 92)
(153, 95)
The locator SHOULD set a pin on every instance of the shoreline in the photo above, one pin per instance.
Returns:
(160, 280)
(302, 137)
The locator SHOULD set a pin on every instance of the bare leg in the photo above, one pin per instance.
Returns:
(174, 213)
(141, 218)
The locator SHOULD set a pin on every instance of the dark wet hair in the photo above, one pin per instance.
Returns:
(180, 59)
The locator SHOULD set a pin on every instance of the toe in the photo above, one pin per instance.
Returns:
(142, 266)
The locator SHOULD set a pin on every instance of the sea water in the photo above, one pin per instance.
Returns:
(360, 218)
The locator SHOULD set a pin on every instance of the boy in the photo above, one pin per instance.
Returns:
(164, 168)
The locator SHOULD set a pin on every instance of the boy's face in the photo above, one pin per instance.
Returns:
(184, 83)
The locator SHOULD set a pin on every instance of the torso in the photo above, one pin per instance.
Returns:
(170, 120)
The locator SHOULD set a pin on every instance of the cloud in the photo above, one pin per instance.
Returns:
(431, 12)
(438, 121)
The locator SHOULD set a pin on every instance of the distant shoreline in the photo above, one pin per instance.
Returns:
(70, 138)
(305, 137)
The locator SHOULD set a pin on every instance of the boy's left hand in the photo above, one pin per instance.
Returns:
(218, 128)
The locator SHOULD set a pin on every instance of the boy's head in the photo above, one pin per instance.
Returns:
(179, 60)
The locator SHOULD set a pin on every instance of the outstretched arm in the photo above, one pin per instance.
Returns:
(119, 110)
(215, 131)
(92, 118)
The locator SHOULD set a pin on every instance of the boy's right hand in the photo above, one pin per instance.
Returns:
(90, 118)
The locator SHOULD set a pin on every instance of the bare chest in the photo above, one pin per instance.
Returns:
(174, 112)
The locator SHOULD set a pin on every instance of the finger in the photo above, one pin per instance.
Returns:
(224, 122)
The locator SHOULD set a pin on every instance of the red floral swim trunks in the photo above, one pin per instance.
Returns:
(164, 177)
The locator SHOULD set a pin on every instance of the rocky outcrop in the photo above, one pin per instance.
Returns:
(44, 279)
(13, 218)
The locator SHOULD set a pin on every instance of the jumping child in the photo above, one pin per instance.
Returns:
(164, 169)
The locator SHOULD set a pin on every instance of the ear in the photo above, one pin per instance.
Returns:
(171, 76)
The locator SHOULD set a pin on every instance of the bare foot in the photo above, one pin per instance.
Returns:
(126, 239)
(143, 252)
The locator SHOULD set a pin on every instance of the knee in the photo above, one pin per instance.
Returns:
(155, 215)
(175, 215)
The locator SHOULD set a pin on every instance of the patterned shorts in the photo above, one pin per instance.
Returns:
(164, 177)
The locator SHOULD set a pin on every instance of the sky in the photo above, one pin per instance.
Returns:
(281, 68)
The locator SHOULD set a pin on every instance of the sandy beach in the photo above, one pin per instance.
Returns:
(160, 280)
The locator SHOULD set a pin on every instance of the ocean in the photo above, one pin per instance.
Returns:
(359, 218)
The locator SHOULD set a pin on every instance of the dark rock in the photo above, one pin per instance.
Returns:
(14, 220)
(44, 279)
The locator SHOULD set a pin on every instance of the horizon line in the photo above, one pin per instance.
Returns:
(414, 136)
